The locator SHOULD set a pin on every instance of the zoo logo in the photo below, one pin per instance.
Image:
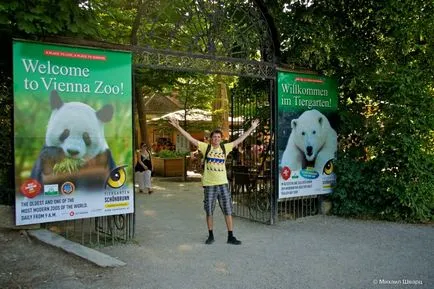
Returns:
(117, 177)
(31, 188)
(67, 188)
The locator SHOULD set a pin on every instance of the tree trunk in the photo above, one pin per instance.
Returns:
(140, 104)
(220, 112)
(141, 111)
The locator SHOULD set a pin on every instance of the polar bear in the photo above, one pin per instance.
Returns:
(312, 140)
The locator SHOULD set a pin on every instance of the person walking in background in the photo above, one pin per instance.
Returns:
(143, 169)
(214, 180)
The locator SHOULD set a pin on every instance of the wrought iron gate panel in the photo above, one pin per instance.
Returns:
(294, 208)
(252, 164)
(98, 231)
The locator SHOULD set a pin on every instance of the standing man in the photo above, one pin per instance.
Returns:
(214, 180)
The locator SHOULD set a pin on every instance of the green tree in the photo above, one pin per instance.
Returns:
(30, 20)
(381, 52)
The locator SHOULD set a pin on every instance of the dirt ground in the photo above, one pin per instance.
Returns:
(28, 263)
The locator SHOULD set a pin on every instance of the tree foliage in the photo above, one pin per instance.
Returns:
(381, 52)
(30, 20)
(46, 17)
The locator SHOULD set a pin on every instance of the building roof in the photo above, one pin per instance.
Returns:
(194, 114)
(158, 104)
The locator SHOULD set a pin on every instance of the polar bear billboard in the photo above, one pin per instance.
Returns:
(307, 138)
(73, 132)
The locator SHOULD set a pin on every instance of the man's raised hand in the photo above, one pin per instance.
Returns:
(255, 123)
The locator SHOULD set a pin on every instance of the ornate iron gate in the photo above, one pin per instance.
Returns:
(236, 38)
(226, 38)
(252, 167)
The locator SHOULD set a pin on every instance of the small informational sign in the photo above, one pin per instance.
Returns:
(73, 132)
(306, 134)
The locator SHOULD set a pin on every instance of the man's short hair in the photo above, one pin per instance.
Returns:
(216, 131)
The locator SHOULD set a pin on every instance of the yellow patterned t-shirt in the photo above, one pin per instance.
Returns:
(214, 172)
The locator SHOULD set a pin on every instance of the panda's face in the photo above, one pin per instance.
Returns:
(76, 129)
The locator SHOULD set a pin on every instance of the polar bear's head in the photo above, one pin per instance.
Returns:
(309, 132)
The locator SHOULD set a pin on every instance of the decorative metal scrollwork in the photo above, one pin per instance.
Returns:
(211, 36)
(200, 63)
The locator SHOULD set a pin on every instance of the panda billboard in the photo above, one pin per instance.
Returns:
(72, 132)
(306, 139)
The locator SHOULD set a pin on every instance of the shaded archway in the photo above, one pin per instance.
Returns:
(236, 38)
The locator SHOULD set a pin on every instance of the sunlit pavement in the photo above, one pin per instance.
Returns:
(314, 252)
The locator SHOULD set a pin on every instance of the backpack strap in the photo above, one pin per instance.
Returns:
(208, 148)
(222, 145)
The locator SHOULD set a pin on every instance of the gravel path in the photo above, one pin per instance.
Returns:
(169, 252)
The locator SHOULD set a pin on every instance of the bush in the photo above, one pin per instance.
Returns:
(7, 191)
(168, 154)
(386, 160)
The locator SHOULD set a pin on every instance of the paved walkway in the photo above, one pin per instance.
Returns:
(314, 252)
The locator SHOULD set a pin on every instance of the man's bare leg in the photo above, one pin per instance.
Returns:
(209, 222)
(229, 223)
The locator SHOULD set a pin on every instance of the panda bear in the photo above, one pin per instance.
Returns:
(75, 131)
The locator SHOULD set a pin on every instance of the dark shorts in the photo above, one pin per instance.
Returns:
(220, 193)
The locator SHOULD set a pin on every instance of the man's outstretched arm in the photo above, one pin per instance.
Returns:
(239, 140)
(175, 123)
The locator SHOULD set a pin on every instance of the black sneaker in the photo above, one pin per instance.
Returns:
(209, 241)
(233, 241)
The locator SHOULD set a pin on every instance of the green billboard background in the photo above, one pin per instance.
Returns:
(94, 77)
(298, 93)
